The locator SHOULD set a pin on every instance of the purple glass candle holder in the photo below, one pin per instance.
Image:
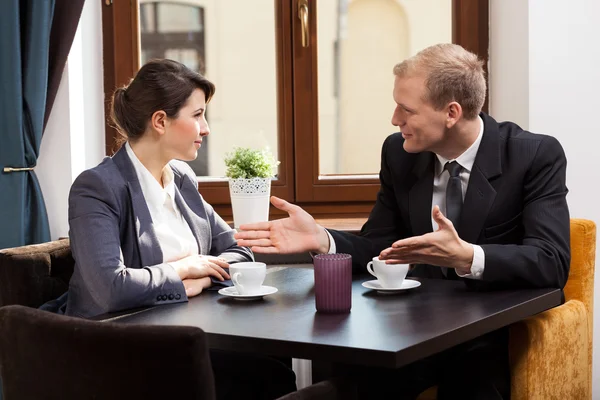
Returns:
(333, 282)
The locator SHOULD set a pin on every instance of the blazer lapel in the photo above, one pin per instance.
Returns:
(420, 194)
(149, 247)
(480, 193)
(191, 218)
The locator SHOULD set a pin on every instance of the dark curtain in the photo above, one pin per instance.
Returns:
(36, 36)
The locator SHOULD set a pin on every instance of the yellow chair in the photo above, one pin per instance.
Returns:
(551, 353)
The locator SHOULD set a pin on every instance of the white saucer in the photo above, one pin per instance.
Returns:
(407, 284)
(231, 291)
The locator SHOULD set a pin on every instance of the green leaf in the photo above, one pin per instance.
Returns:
(247, 163)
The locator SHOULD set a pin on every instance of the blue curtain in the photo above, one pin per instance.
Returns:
(36, 37)
(35, 44)
(25, 33)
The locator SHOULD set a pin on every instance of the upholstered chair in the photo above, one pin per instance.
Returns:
(50, 356)
(551, 353)
(32, 275)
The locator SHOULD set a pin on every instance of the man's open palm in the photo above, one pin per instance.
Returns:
(442, 247)
(295, 234)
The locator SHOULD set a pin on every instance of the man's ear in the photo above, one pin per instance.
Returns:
(158, 121)
(454, 114)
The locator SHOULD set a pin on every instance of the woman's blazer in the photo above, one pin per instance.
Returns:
(118, 260)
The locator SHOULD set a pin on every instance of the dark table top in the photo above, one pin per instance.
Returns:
(383, 330)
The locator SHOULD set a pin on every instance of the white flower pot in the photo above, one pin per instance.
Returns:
(250, 200)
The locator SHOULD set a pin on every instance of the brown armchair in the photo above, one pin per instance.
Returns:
(32, 275)
(49, 356)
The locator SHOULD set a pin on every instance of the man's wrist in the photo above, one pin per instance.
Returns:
(466, 258)
(323, 241)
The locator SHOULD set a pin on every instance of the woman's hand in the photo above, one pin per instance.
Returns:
(193, 287)
(200, 266)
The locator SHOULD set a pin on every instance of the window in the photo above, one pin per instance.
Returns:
(311, 80)
(175, 31)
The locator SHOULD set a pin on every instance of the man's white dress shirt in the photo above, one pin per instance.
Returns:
(440, 182)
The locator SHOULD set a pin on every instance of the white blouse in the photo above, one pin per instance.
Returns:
(174, 234)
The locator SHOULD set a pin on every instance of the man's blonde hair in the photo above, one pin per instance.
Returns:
(451, 74)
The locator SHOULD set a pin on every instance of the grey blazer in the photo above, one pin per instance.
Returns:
(118, 260)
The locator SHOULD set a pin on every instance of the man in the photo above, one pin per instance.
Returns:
(461, 196)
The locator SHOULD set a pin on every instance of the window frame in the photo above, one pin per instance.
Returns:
(298, 176)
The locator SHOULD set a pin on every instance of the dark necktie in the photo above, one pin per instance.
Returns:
(454, 202)
(454, 198)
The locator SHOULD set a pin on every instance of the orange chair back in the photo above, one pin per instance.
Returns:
(580, 285)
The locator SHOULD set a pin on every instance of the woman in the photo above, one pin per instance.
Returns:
(140, 232)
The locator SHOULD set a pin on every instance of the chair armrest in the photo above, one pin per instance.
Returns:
(330, 389)
(34, 274)
(549, 354)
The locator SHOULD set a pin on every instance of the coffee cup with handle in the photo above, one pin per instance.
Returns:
(248, 277)
(390, 276)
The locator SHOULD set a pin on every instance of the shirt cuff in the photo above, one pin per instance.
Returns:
(332, 248)
(477, 266)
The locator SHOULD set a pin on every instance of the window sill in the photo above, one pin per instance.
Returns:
(350, 224)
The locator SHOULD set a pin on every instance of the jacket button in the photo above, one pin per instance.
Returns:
(171, 296)
(158, 298)
(164, 297)
(177, 296)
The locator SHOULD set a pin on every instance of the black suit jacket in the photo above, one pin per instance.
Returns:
(515, 208)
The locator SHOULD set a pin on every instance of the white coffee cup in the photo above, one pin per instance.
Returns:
(248, 277)
(390, 276)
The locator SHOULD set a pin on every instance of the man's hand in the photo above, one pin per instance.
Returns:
(201, 266)
(296, 234)
(442, 247)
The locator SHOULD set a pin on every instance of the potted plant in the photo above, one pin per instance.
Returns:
(250, 173)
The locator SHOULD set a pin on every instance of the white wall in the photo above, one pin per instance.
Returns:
(74, 137)
(545, 75)
(509, 70)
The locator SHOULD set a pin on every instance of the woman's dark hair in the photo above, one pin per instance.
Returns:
(159, 85)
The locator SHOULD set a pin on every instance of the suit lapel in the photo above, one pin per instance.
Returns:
(420, 194)
(480, 193)
(478, 201)
(149, 247)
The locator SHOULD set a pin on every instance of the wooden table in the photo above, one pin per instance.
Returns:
(381, 330)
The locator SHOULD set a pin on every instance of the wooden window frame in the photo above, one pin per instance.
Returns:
(297, 82)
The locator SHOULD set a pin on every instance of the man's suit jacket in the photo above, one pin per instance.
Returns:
(515, 208)
(118, 260)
